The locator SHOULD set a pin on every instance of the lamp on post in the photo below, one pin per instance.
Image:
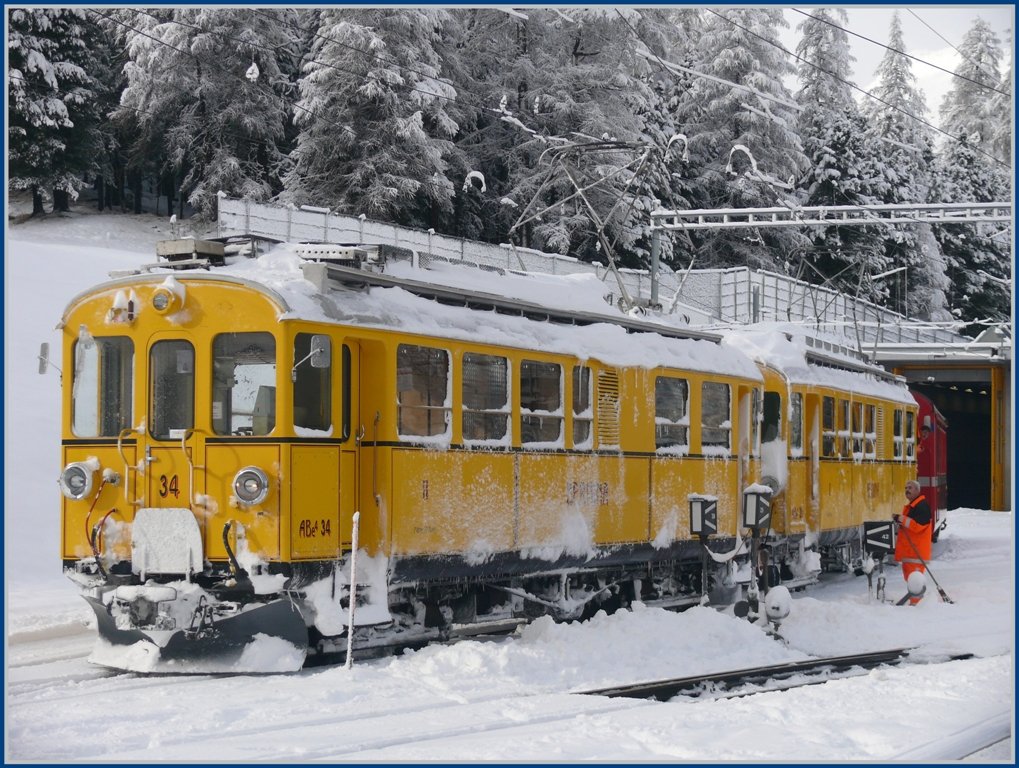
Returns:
(703, 523)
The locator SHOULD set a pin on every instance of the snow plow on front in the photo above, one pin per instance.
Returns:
(223, 428)
(162, 620)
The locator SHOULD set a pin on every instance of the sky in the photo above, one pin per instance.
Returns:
(515, 699)
(950, 22)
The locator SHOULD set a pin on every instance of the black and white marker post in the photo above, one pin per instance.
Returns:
(756, 517)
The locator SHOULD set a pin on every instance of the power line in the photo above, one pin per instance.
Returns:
(901, 53)
(967, 58)
(858, 88)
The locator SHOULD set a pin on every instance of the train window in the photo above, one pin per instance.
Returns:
(244, 383)
(843, 428)
(172, 388)
(583, 411)
(716, 420)
(103, 386)
(422, 391)
(869, 432)
(796, 423)
(828, 426)
(672, 413)
(486, 404)
(910, 435)
(771, 424)
(313, 395)
(541, 402)
(857, 428)
(897, 434)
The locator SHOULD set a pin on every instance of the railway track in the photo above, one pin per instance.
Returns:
(763, 679)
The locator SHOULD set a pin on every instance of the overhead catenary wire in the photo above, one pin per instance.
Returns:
(949, 42)
(901, 53)
(459, 90)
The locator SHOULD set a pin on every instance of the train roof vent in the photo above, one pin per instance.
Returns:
(189, 253)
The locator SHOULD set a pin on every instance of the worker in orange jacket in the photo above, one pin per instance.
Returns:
(913, 543)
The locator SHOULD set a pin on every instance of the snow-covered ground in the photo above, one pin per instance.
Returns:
(508, 700)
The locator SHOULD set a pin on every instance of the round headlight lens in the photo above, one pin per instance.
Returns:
(251, 486)
(161, 300)
(76, 481)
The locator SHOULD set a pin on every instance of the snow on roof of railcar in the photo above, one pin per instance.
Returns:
(395, 308)
(785, 348)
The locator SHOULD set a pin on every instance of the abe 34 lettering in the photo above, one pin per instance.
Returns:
(309, 529)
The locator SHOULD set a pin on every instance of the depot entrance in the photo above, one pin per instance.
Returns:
(967, 407)
(974, 400)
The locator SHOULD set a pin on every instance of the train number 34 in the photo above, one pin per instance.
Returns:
(169, 486)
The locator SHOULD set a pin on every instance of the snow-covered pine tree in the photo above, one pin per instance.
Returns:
(373, 111)
(573, 79)
(967, 109)
(481, 49)
(842, 157)
(205, 91)
(744, 147)
(54, 141)
(664, 183)
(895, 118)
(977, 255)
(1002, 109)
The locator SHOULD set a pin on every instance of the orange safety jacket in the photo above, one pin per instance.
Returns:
(912, 531)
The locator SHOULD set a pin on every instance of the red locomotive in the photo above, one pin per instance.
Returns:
(932, 460)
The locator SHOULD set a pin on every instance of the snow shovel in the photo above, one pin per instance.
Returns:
(944, 595)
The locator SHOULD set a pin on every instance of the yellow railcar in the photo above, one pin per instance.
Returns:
(223, 429)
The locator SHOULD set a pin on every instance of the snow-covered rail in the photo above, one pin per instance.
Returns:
(746, 682)
(963, 743)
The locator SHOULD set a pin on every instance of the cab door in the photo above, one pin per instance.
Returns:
(171, 443)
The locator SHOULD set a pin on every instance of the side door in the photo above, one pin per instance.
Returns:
(350, 364)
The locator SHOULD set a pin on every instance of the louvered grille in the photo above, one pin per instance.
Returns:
(608, 409)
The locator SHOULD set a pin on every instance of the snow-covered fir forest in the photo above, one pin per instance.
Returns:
(446, 118)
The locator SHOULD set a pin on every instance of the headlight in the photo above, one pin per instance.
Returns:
(251, 486)
(76, 481)
(165, 301)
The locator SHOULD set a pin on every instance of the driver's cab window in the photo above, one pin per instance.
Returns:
(243, 384)
(103, 386)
